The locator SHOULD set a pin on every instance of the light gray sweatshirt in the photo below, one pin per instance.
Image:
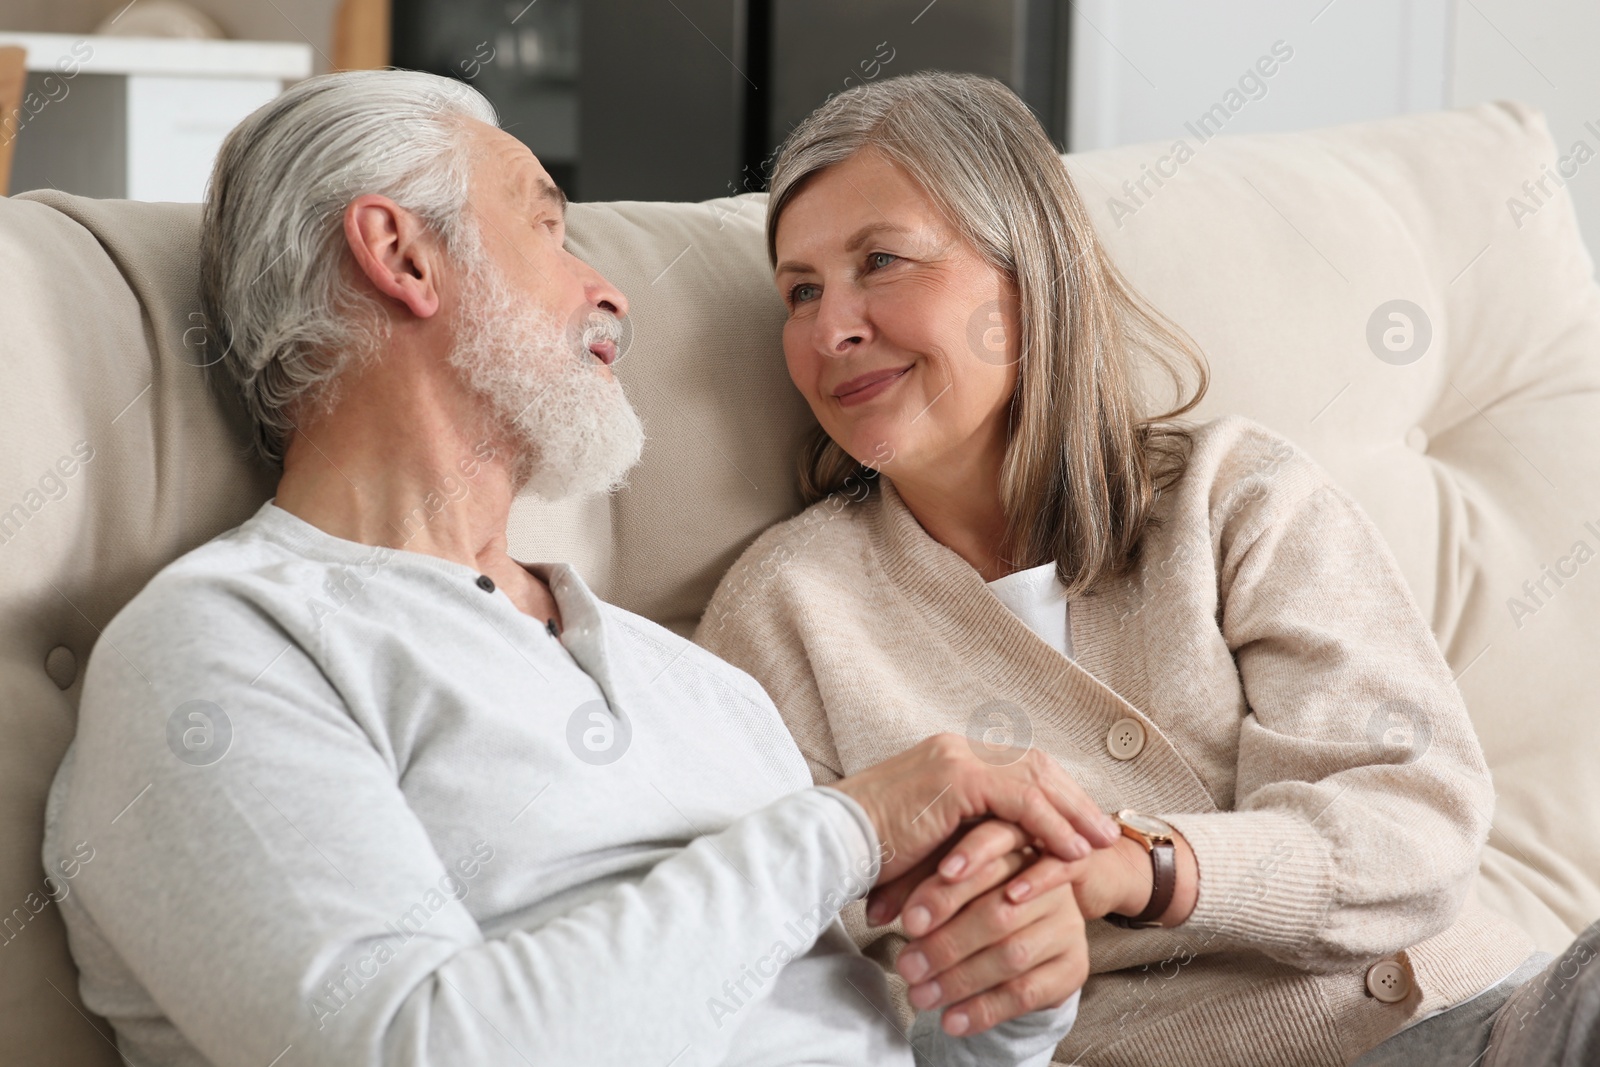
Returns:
(348, 805)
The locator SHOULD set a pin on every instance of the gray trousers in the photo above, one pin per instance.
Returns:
(1545, 1014)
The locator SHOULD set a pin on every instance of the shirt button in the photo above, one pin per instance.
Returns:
(486, 583)
(1388, 981)
(1126, 739)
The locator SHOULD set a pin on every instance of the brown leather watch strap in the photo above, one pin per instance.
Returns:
(1163, 884)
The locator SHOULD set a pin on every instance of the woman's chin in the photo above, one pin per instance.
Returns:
(869, 446)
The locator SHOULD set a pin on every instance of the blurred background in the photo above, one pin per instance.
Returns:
(687, 99)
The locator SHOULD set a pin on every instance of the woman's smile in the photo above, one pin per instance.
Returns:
(864, 387)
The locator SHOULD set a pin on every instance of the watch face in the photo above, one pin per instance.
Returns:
(1148, 825)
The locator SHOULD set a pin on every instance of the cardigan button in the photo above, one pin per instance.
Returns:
(1388, 982)
(1126, 739)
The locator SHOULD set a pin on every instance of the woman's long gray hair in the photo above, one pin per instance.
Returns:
(1083, 467)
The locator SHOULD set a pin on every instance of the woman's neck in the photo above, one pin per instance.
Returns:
(961, 509)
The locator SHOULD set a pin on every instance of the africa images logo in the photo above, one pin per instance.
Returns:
(199, 733)
(597, 735)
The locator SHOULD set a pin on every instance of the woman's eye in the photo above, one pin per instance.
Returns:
(879, 260)
(802, 292)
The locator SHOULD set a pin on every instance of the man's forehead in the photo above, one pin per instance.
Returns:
(524, 177)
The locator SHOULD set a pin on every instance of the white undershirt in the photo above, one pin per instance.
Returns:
(1037, 597)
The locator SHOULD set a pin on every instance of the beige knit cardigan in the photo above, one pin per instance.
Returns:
(1303, 732)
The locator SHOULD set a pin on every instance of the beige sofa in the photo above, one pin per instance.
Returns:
(1479, 456)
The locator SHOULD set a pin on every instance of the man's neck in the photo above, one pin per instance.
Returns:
(422, 482)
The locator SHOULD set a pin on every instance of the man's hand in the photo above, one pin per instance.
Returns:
(918, 799)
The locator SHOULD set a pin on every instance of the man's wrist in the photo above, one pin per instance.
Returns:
(862, 820)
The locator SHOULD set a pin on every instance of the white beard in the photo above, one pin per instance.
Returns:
(574, 431)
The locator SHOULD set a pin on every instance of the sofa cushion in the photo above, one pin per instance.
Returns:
(1477, 459)
(1478, 456)
(114, 462)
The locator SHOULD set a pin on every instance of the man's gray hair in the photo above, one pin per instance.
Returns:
(280, 311)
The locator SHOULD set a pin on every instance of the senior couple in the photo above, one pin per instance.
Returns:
(476, 815)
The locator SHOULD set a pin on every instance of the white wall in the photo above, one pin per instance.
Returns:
(1145, 70)
(1546, 53)
(1142, 68)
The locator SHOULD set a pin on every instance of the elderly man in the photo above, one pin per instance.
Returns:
(386, 794)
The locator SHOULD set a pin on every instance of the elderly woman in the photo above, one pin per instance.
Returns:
(1200, 625)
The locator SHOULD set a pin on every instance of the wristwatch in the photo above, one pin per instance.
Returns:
(1156, 837)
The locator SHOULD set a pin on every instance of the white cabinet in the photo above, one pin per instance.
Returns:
(136, 118)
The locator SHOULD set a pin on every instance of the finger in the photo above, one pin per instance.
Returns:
(1011, 957)
(1069, 798)
(1040, 797)
(984, 922)
(987, 841)
(1046, 874)
(1027, 804)
(1046, 986)
(935, 900)
(1042, 932)
(885, 901)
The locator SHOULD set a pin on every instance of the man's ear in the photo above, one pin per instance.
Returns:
(395, 251)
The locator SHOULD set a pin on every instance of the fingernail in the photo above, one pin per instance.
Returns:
(955, 1023)
(917, 921)
(925, 996)
(1018, 892)
(1111, 828)
(913, 965)
(953, 865)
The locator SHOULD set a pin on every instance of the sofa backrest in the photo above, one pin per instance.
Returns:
(1477, 455)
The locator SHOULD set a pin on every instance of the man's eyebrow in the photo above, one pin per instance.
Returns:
(555, 195)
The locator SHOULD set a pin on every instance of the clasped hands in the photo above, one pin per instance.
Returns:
(995, 870)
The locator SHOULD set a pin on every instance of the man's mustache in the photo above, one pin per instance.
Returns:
(599, 325)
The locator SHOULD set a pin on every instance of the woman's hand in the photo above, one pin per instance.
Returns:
(999, 960)
(999, 930)
(932, 892)
(1019, 947)
(918, 799)
(1115, 879)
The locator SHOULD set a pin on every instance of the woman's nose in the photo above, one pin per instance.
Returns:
(841, 326)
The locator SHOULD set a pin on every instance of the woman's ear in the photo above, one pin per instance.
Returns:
(395, 252)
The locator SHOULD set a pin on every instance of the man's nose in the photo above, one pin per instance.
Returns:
(602, 294)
